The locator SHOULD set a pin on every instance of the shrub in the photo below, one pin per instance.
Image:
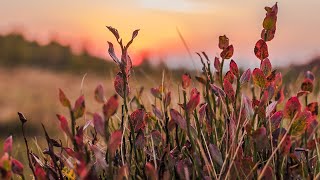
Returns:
(215, 132)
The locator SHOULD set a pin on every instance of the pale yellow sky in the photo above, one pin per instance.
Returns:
(200, 21)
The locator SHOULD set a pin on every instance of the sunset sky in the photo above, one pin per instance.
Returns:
(82, 23)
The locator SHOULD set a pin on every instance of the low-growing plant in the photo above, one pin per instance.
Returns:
(216, 131)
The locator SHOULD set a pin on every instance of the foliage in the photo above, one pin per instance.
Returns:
(217, 131)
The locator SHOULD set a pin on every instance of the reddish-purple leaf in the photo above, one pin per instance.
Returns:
(134, 35)
(261, 50)
(119, 85)
(268, 173)
(114, 141)
(292, 107)
(217, 63)
(217, 91)
(178, 119)
(110, 107)
(150, 171)
(247, 104)
(266, 67)
(223, 42)
(228, 89)
(186, 80)
(137, 119)
(40, 173)
(17, 167)
(202, 111)
(259, 78)
(194, 100)
(157, 112)
(277, 135)
(79, 107)
(98, 123)
(140, 140)
(275, 119)
(167, 99)
(156, 137)
(63, 99)
(234, 68)
(114, 31)
(113, 54)
(157, 92)
(270, 108)
(7, 145)
(227, 53)
(99, 94)
(123, 172)
(245, 77)
(260, 138)
(229, 76)
(64, 124)
(215, 154)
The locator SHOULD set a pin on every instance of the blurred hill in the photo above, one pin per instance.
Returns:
(16, 51)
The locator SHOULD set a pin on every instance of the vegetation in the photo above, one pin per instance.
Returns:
(235, 125)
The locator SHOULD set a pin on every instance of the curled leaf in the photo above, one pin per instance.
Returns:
(245, 77)
(194, 100)
(17, 167)
(234, 68)
(227, 53)
(64, 124)
(119, 86)
(228, 89)
(137, 119)
(223, 42)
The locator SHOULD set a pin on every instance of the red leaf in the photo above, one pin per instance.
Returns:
(228, 89)
(229, 77)
(178, 119)
(140, 140)
(150, 171)
(234, 68)
(17, 167)
(223, 42)
(98, 123)
(277, 135)
(266, 67)
(156, 92)
(261, 50)
(64, 125)
(79, 107)
(292, 107)
(258, 78)
(99, 94)
(114, 141)
(137, 119)
(110, 107)
(186, 80)
(194, 100)
(202, 111)
(40, 173)
(63, 99)
(245, 77)
(7, 145)
(119, 85)
(268, 173)
(227, 53)
(156, 137)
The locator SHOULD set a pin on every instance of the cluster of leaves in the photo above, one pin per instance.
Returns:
(214, 132)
